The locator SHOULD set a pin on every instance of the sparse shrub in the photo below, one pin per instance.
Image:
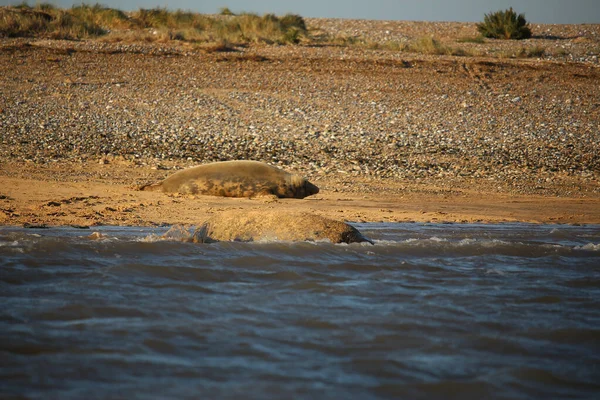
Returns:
(292, 35)
(529, 52)
(503, 53)
(346, 40)
(504, 25)
(457, 51)
(428, 45)
(225, 11)
(295, 21)
(268, 18)
(23, 21)
(45, 7)
(67, 26)
(174, 25)
(536, 51)
(109, 18)
(269, 28)
(153, 18)
(184, 35)
(394, 45)
(523, 52)
(23, 5)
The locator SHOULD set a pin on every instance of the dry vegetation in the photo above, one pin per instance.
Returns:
(228, 31)
(158, 24)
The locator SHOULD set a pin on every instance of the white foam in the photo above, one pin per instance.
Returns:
(589, 247)
(152, 238)
(497, 242)
(437, 239)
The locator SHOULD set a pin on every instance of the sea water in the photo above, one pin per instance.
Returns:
(430, 311)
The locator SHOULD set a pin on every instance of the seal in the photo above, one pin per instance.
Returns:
(275, 225)
(236, 179)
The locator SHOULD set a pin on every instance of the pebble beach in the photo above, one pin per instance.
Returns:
(518, 126)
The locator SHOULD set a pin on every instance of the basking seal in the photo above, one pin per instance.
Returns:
(236, 179)
(260, 225)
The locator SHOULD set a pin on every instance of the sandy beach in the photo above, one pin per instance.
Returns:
(386, 135)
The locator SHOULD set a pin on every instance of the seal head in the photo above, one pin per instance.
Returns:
(299, 188)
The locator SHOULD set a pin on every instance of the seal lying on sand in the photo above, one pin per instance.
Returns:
(259, 225)
(236, 179)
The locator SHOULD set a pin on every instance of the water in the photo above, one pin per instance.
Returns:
(430, 311)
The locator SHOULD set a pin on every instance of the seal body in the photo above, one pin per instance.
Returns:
(236, 179)
(278, 225)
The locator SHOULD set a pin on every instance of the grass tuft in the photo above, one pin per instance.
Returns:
(430, 45)
(504, 25)
(65, 25)
(471, 39)
(535, 51)
(523, 52)
(108, 18)
(293, 21)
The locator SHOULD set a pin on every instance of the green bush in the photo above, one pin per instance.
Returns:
(504, 25)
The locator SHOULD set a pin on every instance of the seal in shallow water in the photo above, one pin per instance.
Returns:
(236, 179)
(266, 225)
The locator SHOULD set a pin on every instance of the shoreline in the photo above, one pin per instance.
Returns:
(93, 194)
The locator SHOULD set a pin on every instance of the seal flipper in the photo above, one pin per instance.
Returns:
(265, 194)
(151, 187)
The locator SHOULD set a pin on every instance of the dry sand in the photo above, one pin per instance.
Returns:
(92, 194)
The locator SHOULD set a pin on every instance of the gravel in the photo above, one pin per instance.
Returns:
(522, 126)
